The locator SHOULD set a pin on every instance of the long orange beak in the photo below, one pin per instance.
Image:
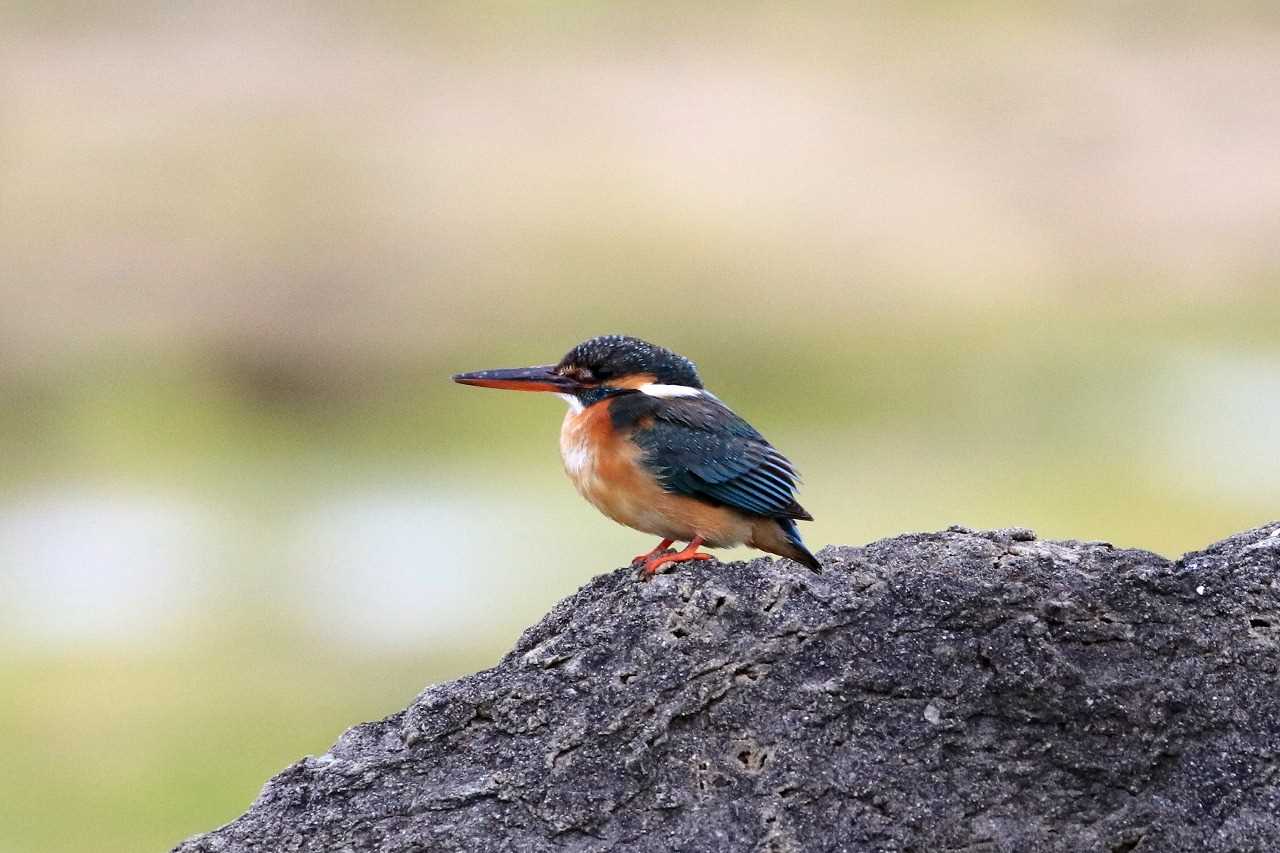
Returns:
(541, 378)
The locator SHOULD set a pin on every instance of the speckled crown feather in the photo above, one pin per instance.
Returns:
(609, 356)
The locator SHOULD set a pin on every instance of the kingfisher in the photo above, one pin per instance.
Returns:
(652, 449)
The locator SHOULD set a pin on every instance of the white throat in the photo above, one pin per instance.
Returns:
(575, 405)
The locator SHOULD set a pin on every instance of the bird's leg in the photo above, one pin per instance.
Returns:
(662, 546)
(652, 564)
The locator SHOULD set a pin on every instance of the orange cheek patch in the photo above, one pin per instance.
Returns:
(632, 382)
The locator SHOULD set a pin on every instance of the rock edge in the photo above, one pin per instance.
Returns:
(961, 690)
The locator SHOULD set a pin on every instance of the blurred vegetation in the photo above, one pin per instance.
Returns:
(992, 265)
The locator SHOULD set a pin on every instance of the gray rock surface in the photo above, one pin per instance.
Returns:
(976, 691)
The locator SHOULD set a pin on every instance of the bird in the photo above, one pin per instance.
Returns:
(652, 449)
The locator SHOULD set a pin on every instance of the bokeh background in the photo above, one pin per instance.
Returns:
(991, 263)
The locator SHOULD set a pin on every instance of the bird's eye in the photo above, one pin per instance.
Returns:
(580, 374)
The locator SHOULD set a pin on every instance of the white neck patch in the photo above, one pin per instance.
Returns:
(653, 389)
(575, 405)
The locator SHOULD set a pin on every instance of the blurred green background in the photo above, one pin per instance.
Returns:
(989, 264)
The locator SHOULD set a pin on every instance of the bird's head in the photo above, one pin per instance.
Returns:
(599, 368)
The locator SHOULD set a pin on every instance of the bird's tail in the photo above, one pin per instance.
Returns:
(784, 540)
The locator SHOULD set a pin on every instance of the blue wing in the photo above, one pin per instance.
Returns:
(697, 446)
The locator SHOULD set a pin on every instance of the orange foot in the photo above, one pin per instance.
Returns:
(653, 564)
(644, 558)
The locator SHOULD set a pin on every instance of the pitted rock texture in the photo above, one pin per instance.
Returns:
(931, 692)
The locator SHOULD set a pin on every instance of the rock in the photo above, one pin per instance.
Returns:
(944, 691)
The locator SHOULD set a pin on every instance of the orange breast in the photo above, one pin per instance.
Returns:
(606, 469)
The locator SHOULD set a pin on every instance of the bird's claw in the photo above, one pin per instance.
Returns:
(657, 565)
(659, 549)
(645, 558)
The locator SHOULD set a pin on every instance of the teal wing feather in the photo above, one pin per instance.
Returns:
(699, 447)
